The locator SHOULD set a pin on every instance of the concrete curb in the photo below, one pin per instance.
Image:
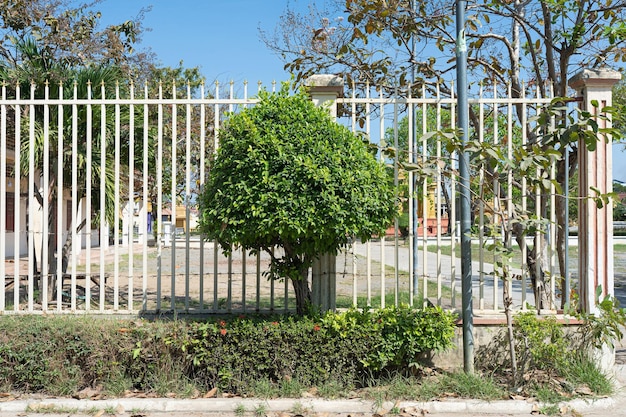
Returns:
(222, 405)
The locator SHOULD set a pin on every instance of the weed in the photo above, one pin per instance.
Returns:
(299, 409)
(265, 389)
(546, 395)
(471, 386)
(260, 410)
(110, 410)
(550, 410)
(332, 389)
(582, 371)
(240, 410)
(50, 409)
(291, 388)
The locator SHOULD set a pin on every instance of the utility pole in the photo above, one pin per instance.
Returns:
(464, 192)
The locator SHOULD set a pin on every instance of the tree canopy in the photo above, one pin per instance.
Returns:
(287, 176)
(531, 47)
(68, 35)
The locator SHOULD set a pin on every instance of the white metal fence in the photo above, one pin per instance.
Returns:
(87, 223)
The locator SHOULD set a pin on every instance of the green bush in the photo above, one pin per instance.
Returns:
(540, 343)
(313, 350)
(242, 355)
(395, 336)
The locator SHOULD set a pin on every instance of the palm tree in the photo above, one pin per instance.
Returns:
(82, 161)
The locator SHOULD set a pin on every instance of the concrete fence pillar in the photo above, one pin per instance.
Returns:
(324, 91)
(595, 225)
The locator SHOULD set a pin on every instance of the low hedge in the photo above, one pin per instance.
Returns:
(63, 355)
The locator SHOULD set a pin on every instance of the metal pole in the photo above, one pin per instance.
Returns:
(466, 242)
(414, 220)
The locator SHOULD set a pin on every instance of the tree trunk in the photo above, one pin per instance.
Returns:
(302, 291)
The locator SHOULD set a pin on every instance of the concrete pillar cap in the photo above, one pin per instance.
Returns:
(321, 83)
(597, 76)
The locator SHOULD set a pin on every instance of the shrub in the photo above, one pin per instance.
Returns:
(283, 354)
(288, 176)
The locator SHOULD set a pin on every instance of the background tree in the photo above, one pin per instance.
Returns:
(287, 176)
(385, 43)
(43, 44)
(70, 32)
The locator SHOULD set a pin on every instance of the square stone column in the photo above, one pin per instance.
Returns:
(324, 90)
(595, 225)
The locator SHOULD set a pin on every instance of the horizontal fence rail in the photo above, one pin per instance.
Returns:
(100, 185)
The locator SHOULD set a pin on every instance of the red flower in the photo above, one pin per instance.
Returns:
(222, 323)
(223, 332)
(317, 328)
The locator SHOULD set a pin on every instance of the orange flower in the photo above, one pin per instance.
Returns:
(223, 332)
(317, 328)
(275, 323)
(222, 323)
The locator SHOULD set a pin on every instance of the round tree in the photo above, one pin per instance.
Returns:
(287, 176)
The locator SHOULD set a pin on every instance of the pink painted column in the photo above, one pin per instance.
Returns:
(595, 225)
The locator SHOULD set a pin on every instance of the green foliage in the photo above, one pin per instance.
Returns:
(540, 342)
(605, 326)
(57, 356)
(313, 350)
(549, 353)
(398, 336)
(286, 175)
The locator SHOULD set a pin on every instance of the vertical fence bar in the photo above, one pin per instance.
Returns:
(396, 260)
(353, 125)
(411, 158)
(201, 182)
(453, 209)
(481, 209)
(145, 202)
(424, 198)
(524, 189)
(88, 186)
(3, 202)
(173, 200)
(130, 211)
(216, 123)
(437, 199)
(116, 226)
(381, 132)
(188, 111)
(74, 217)
(509, 182)
(104, 235)
(159, 179)
(496, 194)
(32, 211)
(368, 246)
(45, 194)
(17, 224)
(61, 214)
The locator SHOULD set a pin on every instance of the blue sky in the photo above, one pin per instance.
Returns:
(222, 38)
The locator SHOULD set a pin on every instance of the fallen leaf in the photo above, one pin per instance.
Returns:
(211, 393)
